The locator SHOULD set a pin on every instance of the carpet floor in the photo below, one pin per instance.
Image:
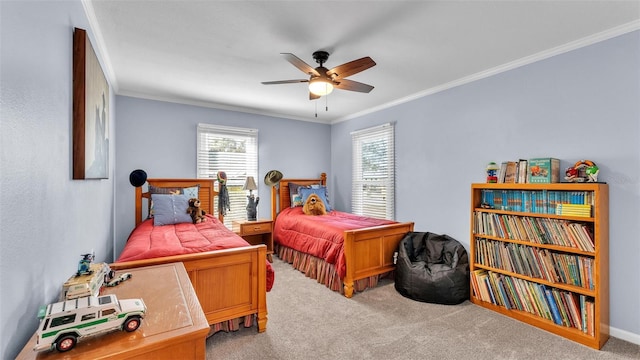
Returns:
(308, 321)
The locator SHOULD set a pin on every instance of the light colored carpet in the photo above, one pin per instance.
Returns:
(308, 321)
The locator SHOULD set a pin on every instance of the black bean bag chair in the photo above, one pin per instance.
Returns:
(432, 268)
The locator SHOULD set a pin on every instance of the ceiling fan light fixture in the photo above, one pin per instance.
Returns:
(320, 86)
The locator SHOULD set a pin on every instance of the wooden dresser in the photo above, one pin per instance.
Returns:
(174, 327)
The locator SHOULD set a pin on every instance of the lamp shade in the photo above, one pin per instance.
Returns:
(250, 184)
(320, 86)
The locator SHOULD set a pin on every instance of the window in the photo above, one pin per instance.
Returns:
(373, 178)
(234, 151)
(63, 320)
(88, 317)
(107, 312)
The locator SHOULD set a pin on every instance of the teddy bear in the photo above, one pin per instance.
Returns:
(197, 214)
(314, 206)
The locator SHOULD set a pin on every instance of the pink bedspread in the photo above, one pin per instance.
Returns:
(321, 236)
(147, 241)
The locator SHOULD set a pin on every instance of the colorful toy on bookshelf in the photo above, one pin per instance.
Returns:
(492, 172)
(582, 171)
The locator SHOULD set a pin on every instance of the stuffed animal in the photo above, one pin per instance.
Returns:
(197, 214)
(314, 206)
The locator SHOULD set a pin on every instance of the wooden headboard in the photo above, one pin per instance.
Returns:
(206, 193)
(280, 197)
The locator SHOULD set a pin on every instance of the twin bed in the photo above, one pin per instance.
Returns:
(230, 277)
(347, 253)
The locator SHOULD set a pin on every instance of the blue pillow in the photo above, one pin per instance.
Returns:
(320, 191)
(170, 209)
(191, 192)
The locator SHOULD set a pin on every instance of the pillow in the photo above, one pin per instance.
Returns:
(293, 192)
(320, 191)
(296, 200)
(191, 191)
(170, 209)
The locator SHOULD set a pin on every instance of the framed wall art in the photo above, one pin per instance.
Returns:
(90, 112)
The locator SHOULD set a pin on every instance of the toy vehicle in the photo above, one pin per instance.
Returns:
(119, 279)
(84, 265)
(88, 284)
(63, 323)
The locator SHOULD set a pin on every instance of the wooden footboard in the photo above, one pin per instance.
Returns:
(229, 283)
(370, 251)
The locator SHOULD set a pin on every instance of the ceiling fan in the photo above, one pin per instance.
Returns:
(322, 81)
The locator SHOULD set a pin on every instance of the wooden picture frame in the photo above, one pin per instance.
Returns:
(91, 98)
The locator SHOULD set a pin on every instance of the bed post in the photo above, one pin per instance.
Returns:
(138, 205)
(274, 210)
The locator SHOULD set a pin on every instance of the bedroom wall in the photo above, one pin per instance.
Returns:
(583, 104)
(47, 220)
(160, 138)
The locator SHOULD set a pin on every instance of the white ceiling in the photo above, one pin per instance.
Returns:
(217, 53)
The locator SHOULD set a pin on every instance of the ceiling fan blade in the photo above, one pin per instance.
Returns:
(350, 68)
(284, 82)
(313, 96)
(344, 84)
(297, 62)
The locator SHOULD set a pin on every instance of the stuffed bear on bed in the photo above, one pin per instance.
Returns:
(314, 206)
(197, 214)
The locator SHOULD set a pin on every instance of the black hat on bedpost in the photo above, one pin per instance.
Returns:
(138, 177)
(272, 177)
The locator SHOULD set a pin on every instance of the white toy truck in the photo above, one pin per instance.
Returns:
(63, 323)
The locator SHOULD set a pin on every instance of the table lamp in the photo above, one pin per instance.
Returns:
(252, 202)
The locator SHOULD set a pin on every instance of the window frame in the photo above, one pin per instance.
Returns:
(382, 179)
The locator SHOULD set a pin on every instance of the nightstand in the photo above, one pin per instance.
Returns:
(256, 232)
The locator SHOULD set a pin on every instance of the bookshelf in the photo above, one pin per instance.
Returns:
(540, 263)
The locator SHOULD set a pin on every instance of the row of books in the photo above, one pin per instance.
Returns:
(573, 210)
(552, 266)
(562, 307)
(512, 172)
(534, 201)
(536, 230)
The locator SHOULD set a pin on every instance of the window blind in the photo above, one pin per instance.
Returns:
(373, 177)
(234, 151)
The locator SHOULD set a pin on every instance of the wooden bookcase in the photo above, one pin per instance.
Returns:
(529, 263)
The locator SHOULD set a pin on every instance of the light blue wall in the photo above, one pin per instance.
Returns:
(160, 137)
(46, 219)
(584, 104)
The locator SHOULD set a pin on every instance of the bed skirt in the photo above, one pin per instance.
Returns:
(232, 325)
(320, 270)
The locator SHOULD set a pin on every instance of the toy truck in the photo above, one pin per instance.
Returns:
(88, 283)
(63, 323)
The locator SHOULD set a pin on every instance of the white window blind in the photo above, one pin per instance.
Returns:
(373, 175)
(234, 151)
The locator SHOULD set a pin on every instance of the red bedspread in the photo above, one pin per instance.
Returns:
(321, 236)
(147, 241)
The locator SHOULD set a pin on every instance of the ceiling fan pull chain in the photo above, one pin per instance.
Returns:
(316, 105)
(326, 103)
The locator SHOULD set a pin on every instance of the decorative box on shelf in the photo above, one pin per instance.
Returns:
(544, 171)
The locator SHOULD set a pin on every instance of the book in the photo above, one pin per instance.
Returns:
(502, 172)
(510, 175)
(522, 171)
(543, 170)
